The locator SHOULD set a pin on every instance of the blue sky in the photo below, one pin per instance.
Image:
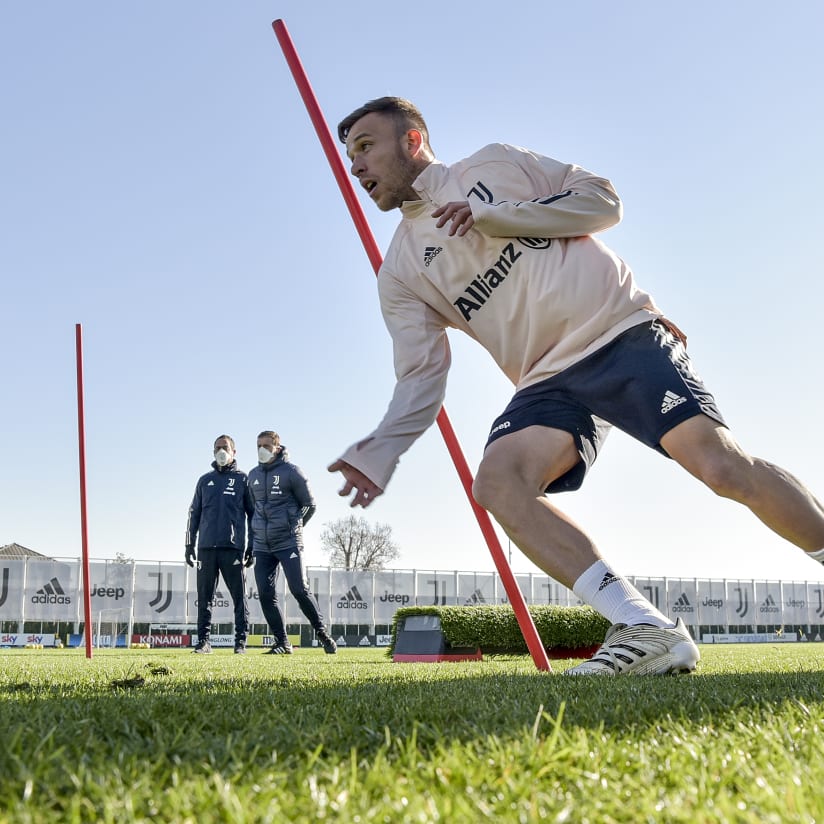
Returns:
(162, 185)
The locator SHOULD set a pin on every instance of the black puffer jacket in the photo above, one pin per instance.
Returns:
(282, 501)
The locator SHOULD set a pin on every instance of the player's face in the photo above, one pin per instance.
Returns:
(381, 160)
(223, 443)
(268, 442)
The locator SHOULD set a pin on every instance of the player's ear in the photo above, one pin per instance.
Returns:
(414, 142)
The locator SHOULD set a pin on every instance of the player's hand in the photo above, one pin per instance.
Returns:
(675, 330)
(354, 479)
(459, 213)
(191, 557)
(248, 557)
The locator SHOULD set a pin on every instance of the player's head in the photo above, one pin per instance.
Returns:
(387, 141)
(268, 444)
(268, 438)
(404, 114)
(225, 441)
(224, 450)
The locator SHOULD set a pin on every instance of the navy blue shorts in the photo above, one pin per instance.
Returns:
(643, 383)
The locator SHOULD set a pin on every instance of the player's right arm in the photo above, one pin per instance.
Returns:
(192, 525)
(422, 358)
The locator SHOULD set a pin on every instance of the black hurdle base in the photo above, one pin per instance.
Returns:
(420, 639)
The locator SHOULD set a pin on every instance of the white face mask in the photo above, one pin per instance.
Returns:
(222, 457)
(264, 454)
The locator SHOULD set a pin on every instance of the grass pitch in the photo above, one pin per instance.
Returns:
(145, 735)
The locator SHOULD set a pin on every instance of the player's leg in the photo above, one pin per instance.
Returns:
(515, 471)
(510, 483)
(296, 580)
(266, 578)
(708, 451)
(657, 396)
(207, 576)
(233, 571)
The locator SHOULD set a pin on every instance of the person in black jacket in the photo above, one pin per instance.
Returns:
(218, 524)
(282, 501)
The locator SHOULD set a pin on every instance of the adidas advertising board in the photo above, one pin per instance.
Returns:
(352, 599)
(682, 600)
(476, 589)
(768, 600)
(51, 590)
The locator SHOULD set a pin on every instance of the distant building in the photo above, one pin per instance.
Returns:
(18, 551)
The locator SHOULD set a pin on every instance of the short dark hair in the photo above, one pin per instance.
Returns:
(268, 433)
(228, 438)
(405, 114)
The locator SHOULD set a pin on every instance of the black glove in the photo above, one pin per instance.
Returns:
(248, 557)
(190, 556)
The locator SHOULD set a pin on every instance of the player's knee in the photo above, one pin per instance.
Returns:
(483, 488)
(491, 486)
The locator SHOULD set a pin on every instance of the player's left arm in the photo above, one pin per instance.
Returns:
(573, 201)
(303, 495)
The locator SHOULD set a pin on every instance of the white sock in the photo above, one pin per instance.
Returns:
(817, 556)
(616, 598)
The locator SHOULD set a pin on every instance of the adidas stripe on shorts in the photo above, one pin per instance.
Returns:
(643, 383)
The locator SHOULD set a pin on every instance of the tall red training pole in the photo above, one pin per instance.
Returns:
(81, 442)
(513, 592)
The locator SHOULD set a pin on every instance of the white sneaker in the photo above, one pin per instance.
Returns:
(642, 649)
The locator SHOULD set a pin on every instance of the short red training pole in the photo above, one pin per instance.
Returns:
(329, 146)
(81, 441)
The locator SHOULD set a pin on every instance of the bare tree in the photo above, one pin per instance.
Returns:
(354, 543)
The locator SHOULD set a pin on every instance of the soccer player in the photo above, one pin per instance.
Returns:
(501, 245)
(217, 523)
(283, 504)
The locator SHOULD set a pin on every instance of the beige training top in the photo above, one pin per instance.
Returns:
(528, 282)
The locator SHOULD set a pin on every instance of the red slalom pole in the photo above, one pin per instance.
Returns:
(516, 598)
(84, 536)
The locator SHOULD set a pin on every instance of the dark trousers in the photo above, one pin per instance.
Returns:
(211, 564)
(267, 566)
